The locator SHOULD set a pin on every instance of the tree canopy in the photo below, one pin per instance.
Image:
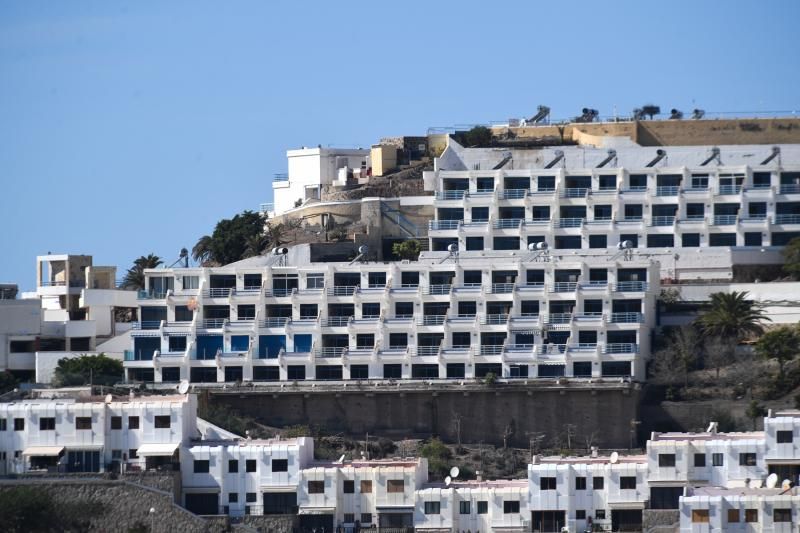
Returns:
(732, 316)
(245, 235)
(791, 258)
(134, 277)
(781, 343)
(95, 369)
(409, 249)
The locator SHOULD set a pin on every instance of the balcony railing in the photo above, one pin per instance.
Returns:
(218, 292)
(439, 289)
(427, 350)
(147, 324)
(536, 221)
(280, 177)
(574, 193)
(149, 295)
(632, 218)
(667, 191)
(564, 286)
(662, 221)
(342, 290)
(631, 286)
(214, 323)
(450, 195)
(273, 322)
(507, 223)
(434, 225)
(512, 194)
(621, 347)
(496, 319)
(336, 321)
(432, 320)
(787, 219)
(279, 292)
(789, 188)
(725, 220)
(138, 355)
(730, 189)
(559, 318)
(627, 318)
(754, 216)
(502, 288)
(328, 351)
(582, 347)
(491, 349)
(570, 222)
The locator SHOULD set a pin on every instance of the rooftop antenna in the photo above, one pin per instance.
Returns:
(715, 155)
(614, 459)
(772, 481)
(362, 251)
(776, 152)
(612, 156)
(675, 114)
(625, 250)
(697, 114)
(452, 253)
(539, 252)
(660, 154)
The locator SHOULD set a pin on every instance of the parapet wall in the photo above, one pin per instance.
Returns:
(603, 413)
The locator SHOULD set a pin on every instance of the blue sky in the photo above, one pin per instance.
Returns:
(131, 127)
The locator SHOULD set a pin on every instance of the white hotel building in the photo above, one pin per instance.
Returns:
(514, 314)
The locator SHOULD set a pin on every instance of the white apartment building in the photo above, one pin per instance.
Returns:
(708, 509)
(675, 202)
(531, 315)
(95, 434)
(311, 169)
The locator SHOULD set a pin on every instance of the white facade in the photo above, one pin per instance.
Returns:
(676, 200)
(90, 435)
(706, 509)
(515, 316)
(310, 169)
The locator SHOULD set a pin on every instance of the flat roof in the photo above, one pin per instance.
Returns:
(749, 435)
(475, 484)
(600, 459)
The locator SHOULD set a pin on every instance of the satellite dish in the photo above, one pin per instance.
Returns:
(363, 249)
(280, 251)
(772, 481)
(109, 398)
(341, 459)
(183, 388)
(452, 248)
(448, 480)
(786, 484)
(614, 459)
(625, 245)
(454, 472)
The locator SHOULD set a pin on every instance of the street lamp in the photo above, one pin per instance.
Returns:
(152, 519)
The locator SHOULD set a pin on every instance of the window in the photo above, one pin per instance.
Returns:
(233, 497)
(716, 459)
(349, 518)
(782, 515)
(751, 515)
(201, 466)
(690, 240)
(47, 424)
(733, 516)
(598, 241)
(747, 459)
(547, 483)
(366, 518)
(365, 341)
(395, 485)
(83, 422)
(250, 465)
(370, 309)
(162, 422)
(251, 497)
(464, 508)
(511, 506)
(404, 309)
(580, 483)
(627, 482)
(598, 483)
(315, 281)
(432, 508)
(280, 465)
(191, 282)
(316, 487)
(233, 466)
(580, 514)
(3, 424)
(600, 514)
(132, 453)
(699, 459)
(666, 459)
(133, 422)
(483, 507)
(19, 424)
(784, 437)
(308, 311)
(116, 422)
(349, 486)
(700, 516)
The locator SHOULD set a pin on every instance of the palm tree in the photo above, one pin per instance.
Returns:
(201, 252)
(732, 316)
(255, 245)
(276, 234)
(134, 277)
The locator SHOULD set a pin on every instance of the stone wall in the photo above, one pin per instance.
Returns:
(486, 412)
(118, 505)
(660, 520)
